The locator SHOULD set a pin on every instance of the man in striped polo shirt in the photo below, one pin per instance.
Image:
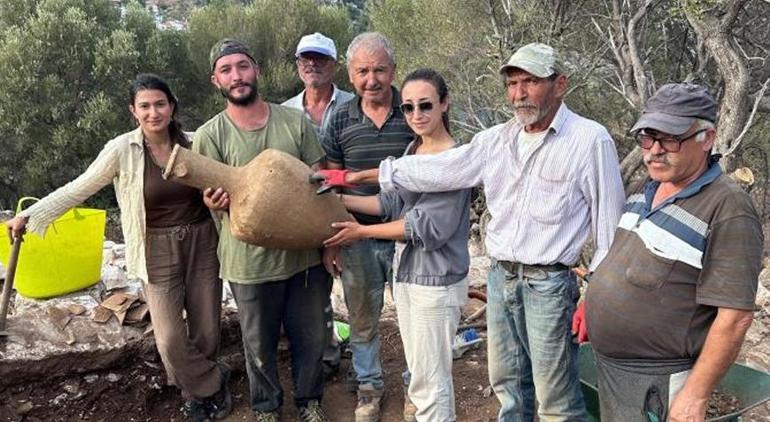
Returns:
(669, 306)
(359, 135)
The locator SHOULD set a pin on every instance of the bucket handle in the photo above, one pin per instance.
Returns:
(20, 204)
(23, 200)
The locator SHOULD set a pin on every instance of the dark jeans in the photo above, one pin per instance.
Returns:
(298, 303)
(639, 389)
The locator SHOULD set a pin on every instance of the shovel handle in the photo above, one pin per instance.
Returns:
(10, 274)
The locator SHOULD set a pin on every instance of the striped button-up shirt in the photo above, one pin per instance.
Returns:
(543, 205)
(339, 97)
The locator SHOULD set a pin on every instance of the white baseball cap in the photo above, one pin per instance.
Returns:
(317, 43)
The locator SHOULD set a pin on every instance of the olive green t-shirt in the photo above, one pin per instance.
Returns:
(286, 130)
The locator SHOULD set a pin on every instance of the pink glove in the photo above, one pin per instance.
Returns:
(579, 326)
(330, 179)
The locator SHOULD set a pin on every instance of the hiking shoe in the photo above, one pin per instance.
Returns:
(196, 410)
(312, 412)
(272, 416)
(221, 403)
(369, 403)
(410, 410)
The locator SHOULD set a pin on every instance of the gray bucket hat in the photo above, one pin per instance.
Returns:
(674, 107)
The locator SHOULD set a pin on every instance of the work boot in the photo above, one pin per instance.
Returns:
(221, 403)
(196, 410)
(410, 410)
(369, 403)
(272, 416)
(312, 412)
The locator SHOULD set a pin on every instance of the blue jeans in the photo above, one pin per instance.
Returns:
(367, 266)
(531, 349)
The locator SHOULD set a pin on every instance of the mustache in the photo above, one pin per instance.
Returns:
(239, 85)
(662, 158)
(523, 104)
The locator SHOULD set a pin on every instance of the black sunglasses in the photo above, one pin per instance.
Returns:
(669, 143)
(408, 108)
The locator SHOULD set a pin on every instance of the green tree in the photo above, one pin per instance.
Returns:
(271, 28)
(65, 67)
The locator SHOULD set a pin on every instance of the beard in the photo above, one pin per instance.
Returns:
(245, 100)
(528, 113)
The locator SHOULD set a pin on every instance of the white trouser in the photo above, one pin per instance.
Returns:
(427, 319)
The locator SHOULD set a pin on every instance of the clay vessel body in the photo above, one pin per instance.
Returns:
(272, 204)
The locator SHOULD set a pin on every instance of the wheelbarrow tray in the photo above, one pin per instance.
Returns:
(749, 386)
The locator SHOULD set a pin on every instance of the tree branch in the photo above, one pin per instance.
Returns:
(750, 120)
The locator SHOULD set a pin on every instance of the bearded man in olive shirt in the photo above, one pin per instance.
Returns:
(668, 308)
(272, 287)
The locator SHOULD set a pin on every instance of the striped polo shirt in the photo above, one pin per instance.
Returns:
(671, 267)
(352, 140)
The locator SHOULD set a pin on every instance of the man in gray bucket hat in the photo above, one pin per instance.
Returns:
(668, 308)
(551, 179)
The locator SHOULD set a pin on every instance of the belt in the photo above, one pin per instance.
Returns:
(513, 267)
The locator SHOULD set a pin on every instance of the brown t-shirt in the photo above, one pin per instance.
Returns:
(169, 204)
(669, 269)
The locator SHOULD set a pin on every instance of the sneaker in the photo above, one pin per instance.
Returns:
(312, 412)
(221, 403)
(410, 410)
(369, 403)
(196, 411)
(272, 416)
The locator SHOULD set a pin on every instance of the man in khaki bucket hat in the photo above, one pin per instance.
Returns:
(551, 179)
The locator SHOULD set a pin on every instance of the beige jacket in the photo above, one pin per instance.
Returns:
(122, 163)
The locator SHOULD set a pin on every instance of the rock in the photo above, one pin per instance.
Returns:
(137, 314)
(56, 401)
(80, 298)
(113, 277)
(487, 392)
(763, 296)
(119, 302)
(113, 377)
(76, 309)
(24, 407)
(101, 315)
(71, 387)
(59, 317)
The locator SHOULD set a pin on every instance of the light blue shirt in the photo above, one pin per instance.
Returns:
(339, 97)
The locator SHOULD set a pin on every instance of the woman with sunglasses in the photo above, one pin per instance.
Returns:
(431, 260)
(171, 243)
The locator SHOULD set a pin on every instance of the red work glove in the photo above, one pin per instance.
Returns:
(579, 326)
(330, 179)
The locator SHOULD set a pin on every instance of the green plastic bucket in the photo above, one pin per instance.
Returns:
(749, 386)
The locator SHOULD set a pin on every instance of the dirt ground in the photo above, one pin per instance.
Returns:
(137, 391)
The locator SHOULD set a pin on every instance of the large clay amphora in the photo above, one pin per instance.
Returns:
(272, 204)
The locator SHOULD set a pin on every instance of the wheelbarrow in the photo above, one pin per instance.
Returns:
(749, 386)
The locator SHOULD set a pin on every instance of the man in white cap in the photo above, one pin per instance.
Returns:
(316, 63)
(551, 179)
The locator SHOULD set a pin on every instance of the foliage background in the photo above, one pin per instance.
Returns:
(65, 65)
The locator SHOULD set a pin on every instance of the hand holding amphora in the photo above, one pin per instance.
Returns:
(271, 202)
